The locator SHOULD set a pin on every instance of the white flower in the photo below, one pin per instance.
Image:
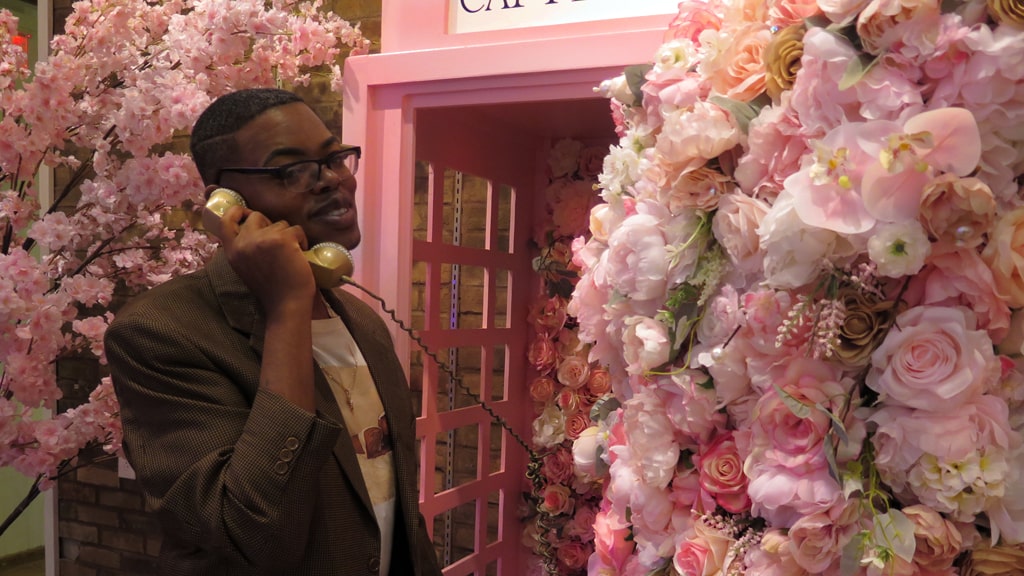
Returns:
(899, 249)
(564, 157)
(621, 170)
(549, 427)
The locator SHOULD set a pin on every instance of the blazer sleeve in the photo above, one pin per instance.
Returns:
(230, 467)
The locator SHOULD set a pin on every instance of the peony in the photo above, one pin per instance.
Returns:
(645, 344)
(932, 359)
(1005, 255)
(585, 451)
(885, 23)
(735, 227)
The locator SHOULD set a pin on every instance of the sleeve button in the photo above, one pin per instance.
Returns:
(291, 443)
(280, 467)
(285, 455)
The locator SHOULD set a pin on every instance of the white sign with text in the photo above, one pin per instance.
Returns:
(488, 15)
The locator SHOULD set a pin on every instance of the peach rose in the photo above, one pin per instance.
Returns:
(698, 189)
(576, 423)
(938, 540)
(556, 499)
(568, 400)
(740, 74)
(957, 211)
(542, 355)
(573, 372)
(600, 382)
(1005, 255)
(542, 389)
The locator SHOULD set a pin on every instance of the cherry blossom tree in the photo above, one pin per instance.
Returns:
(120, 84)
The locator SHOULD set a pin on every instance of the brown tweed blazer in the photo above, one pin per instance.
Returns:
(243, 481)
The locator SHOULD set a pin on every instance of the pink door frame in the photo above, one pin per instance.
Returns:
(385, 96)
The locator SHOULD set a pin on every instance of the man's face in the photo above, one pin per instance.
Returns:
(291, 133)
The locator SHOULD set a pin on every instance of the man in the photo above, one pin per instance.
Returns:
(270, 423)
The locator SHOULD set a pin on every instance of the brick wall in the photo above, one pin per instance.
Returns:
(104, 526)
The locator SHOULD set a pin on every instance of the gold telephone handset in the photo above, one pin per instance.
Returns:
(332, 266)
(330, 262)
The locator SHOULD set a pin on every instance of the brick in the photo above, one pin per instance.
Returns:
(121, 540)
(71, 568)
(153, 546)
(70, 490)
(135, 564)
(97, 515)
(98, 475)
(143, 523)
(100, 557)
(121, 499)
(78, 531)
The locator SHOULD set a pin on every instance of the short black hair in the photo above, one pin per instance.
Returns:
(211, 143)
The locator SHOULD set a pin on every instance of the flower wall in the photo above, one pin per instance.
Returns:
(566, 385)
(805, 280)
(123, 80)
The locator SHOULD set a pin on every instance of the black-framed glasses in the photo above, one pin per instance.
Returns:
(303, 175)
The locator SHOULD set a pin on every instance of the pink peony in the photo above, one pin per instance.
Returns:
(933, 358)
(961, 278)
(645, 344)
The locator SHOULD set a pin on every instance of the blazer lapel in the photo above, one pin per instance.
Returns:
(243, 313)
(378, 350)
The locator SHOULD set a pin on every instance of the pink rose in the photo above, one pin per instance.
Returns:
(599, 383)
(842, 11)
(818, 540)
(556, 499)
(571, 207)
(547, 316)
(782, 13)
(610, 539)
(576, 423)
(773, 557)
(932, 359)
(542, 354)
(704, 554)
(557, 467)
(962, 278)
(568, 400)
(721, 474)
(573, 372)
(582, 524)
(591, 161)
(572, 555)
(938, 540)
(699, 189)
(542, 389)
(692, 19)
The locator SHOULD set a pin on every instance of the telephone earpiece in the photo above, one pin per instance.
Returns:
(331, 262)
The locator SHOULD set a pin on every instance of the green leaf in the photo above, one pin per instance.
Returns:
(604, 406)
(856, 70)
(837, 424)
(798, 408)
(895, 532)
(636, 77)
(742, 112)
(849, 562)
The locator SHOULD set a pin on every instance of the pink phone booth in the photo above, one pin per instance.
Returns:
(456, 116)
